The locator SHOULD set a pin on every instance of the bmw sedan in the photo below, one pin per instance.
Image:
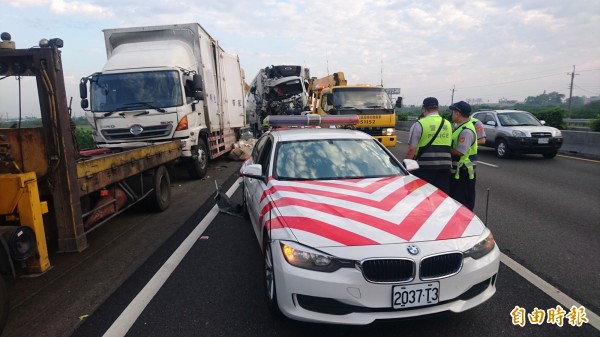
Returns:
(349, 236)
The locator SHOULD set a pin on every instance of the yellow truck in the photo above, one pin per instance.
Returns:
(332, 95)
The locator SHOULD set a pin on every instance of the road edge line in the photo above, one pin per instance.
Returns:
(550, 290)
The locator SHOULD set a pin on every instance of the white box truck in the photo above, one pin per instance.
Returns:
(163, 83)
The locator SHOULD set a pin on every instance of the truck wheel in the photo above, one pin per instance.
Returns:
(160, 198)
(501, 149)
(549, 155)
(198, 164)
(3, 304)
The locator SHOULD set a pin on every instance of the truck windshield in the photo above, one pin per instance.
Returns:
(285, 90)
(134, 91)
(361, 99)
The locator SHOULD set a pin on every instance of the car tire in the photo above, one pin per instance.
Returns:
(502, 149)
(270, 285)
(160, 199)
(197, 166)
(245, 212)
(4, 305)
(550, 155)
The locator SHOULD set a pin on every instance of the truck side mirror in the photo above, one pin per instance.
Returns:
(399, 102)
(197, 82)
(83, 88)
(84, 103)
(329, 99)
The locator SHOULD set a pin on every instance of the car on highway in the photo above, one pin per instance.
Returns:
(349, 236)
(516, 131)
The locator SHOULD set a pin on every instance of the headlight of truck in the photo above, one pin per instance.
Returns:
(517, 133)
(481, 248)
(388, 132)
(307, 258)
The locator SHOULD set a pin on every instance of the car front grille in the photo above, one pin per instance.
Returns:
(388, 270)
(439, 266)
(148, 132)
(541, 134)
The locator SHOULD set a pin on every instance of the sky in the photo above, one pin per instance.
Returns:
(452, 50)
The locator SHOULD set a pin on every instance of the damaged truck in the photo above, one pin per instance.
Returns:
(277, 90)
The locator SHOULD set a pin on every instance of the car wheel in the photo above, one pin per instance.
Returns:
(245, 213)
(270, 285)
(502, 149)
(160, 199)
(549, 155)
(198, 163)
(3, 304)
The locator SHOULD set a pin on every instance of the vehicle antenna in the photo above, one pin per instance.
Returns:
(487, 203)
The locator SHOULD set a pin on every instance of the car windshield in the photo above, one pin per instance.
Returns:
(333, 159)
(518, 119)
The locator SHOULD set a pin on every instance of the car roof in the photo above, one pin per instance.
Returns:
(503, 111)
(297, 134)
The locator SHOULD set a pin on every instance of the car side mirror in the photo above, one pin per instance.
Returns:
(399, 102)
(410, 164)
(492, 123)
(543, 122)
(253, 171)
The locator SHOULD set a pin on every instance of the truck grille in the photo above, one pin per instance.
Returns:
(438, 266)
(541, 134)
(388, 270)
(148, 132)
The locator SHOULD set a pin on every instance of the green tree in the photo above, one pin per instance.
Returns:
(553, 98)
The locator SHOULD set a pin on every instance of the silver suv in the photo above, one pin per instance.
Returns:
(515, 131)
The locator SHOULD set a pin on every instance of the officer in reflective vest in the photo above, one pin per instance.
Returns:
(434, 160)
(464, 156)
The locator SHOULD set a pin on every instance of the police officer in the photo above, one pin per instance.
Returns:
(429, 143)
(464, 155)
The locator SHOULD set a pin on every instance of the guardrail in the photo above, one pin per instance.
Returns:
(581, 143)
(577, 124)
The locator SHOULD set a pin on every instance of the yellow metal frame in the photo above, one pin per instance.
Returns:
(20, 200)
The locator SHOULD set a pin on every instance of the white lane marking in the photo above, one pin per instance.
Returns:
(557, 295)
(488, 164)
(128, 317)
(124, 322)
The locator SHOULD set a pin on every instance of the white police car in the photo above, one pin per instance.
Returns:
(349, 236)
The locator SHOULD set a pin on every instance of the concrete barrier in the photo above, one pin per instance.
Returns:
(580, 143)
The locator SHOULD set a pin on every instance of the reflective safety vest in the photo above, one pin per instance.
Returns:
(436, 156)
(468, 160)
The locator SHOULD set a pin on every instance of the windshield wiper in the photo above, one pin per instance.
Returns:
(351, 108)
(146, 104)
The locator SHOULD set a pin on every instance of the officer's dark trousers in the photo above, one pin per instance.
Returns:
(436, 177)
(463, 189)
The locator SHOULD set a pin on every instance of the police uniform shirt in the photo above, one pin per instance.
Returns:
(466, 138)
(479, 129)
(416, 130)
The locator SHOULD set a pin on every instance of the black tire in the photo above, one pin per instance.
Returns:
(502, 149)
(3, 304)
(270, 285)
(160, 199)
(198, 163)
(550, 155)
(245, 213)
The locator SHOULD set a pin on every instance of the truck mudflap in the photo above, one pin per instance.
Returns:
(221, 142)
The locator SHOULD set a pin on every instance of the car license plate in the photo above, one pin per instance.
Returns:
(415, 295)
(543, 141)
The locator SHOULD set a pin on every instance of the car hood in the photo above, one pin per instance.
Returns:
(535, 129)
(360, 212)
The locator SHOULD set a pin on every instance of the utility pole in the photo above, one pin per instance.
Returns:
(452, 98)
(571, 90)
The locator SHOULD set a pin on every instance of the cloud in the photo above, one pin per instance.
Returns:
(67, 8)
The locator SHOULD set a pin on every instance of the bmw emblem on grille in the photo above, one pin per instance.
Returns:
(136, 129)
(412, 249)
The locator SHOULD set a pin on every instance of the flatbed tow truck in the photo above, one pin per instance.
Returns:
(53, 196)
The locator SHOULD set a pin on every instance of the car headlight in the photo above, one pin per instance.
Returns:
(388, 132)
(304, 257)
(557, 133)
(481, 248)
(517, 133)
